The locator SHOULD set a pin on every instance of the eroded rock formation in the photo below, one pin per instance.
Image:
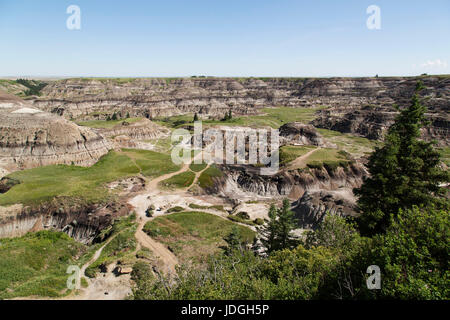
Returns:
(297, 133)
(32, 138)
(245, 183)
(81, 221)
(358, 105)
(313, 206)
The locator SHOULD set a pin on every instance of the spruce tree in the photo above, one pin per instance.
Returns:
(269, 231)
(276, 234)
(234, 241)
(403, 173)
(285, 225)
(195, 117)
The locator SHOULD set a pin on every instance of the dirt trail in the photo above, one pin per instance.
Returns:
(197, 175)
(158, 249)
(140, 203)
(105, 286)
(300, 162)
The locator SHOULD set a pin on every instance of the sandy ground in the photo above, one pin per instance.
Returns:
(27, 110)
(105, 286)
(3, 172)
(254, 210)
(158, 249)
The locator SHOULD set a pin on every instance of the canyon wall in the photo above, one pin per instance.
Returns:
(357, 105)
(32, 138)
(83, 222)
(244, 182)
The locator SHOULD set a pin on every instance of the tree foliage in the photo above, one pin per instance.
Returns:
(403, 173)
(276, 234)
(412, 256)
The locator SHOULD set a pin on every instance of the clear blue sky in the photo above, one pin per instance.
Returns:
(224, 38)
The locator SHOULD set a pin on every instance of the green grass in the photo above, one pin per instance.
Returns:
(103, 124)
(215, 207)
(290, 153)
(270, 117)
(175, 209)
(193, 234)
(162, 145)
(36, 264)
(325, 154)
(182, 180)
(121, 247)
(87, 183)
(197, 167)
(206, 178)
(151, 163)
(241, 220)
(44, 183)
(357, 146)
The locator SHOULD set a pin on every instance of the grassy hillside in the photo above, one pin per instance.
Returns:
(182, 180)
(197, 167)
(270, 117)
(121, 246)
(290, 153)
(355, 145)
(152, 164)
(44, 183)
(192, 234)
(206, 178)
(36, 264)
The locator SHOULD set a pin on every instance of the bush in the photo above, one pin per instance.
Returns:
(141, 271)
(175, 209)
(243, 215)
(315, 165)
(258, 221)
(240, 220)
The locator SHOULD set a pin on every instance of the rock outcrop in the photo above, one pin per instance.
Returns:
(313, 206)
(32, 138)
(297, 133)
(213, 97)
(245, 183)
(141, 130)
(81, 221)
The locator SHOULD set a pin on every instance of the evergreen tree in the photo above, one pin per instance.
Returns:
(234, 241)
(230, 115)
(195, 117)
(269, 231)
(403, 173)
(285, 225)
(114, 116)
(276, 234)
(128, 115)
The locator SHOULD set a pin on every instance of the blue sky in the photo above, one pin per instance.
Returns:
(224, 38)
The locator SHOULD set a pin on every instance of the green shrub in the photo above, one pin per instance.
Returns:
(258, 221)
(243, 215)
(315, 165)
(176, 209)
(206, 178)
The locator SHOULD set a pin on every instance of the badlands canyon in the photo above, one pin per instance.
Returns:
(91, 157)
